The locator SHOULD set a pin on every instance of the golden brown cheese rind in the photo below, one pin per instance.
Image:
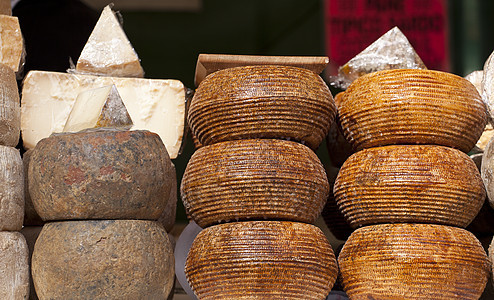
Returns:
(11, 42)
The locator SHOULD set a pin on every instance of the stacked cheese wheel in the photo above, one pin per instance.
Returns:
(14, 266)
(100, 192)
(410, 190)
(255, 175)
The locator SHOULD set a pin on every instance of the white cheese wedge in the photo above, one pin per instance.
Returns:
(11, 43)
(99, 107)
(108, 50)
(153, 104)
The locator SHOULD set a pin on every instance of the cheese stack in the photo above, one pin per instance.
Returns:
(255, 185)
(410, 189)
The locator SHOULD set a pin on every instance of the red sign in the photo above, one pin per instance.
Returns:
(352, 25)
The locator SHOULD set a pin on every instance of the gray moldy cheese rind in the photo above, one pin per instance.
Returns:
(156, 105)
(100, 174)
(10, 111)
(14, 266)
(267, 101)
(104, 259)
(11, 189)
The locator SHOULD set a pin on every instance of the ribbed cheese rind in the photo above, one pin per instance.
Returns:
(254, 179)
(413, 261)
(14, 266)
(11, 189)
(409, 184)
(121, 259)
(11, 42)
(412, 107)
(10, 111)
(254, 260)
(262, 102)
(153, 104)
(100, 174)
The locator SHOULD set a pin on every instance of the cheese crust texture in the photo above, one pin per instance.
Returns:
(156, 105)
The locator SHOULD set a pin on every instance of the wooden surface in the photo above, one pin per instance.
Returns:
(210, 63)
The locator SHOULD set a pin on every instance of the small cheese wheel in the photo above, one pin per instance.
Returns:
(413, 261)
(14, 266)
(261, 260)
(104, 259)
(262, 102)
(411, 106)
(100, 174)
(31, 217)
(12, 189)
(254, 179)
(167, 219)
(10, 110)
(409, 184)
(31, 234)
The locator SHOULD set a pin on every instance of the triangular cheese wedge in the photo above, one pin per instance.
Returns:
(100, 107)
(391, 51)
(108, 50)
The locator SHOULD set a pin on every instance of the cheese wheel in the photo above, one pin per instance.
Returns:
(167, 218)
(261, 260)
(100, 174)
(10, 110)
(31, 234)
(262, 102)
(31, 217)
(103, 259)
(12, 189)
(408, 106)
(14, 266)
(413, 261)
(487, 171)
(409, 184)
(254, 179)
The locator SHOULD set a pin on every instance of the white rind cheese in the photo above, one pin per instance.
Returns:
(108, 50)
(153, 104)
(99, 107)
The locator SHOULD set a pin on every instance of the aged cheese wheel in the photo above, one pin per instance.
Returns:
(261, 260)
(167, 218)
(14, 266)
(12, 189)
(100, 174)
(31, 234)
(408, 106)
(409, 184)
(413, 261)
(254, 179)
(262, 102)
(10, 110)
(103, 259)
(31, 217)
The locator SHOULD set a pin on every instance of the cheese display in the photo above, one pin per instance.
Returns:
(11, 43)
(413, 261)
(104, 259)
(12, 191)
(9, 107)
(153, 104)
(108, 50)
(167, 218)
(390, 51)
(407, 106)
(279, 102)
(14, 266)
(100, 107)
(254, 179)
(261, 260)
(100, 174)
(409, 184)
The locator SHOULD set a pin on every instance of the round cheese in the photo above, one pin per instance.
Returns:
(100, 174)
(31, 234)
(105, 259)
(11, 189)
(409, 184)
(262, 102)
(261, 260)
(409, 106)
(14, 266)
(10, 110)
(413, 261)
(167, 218)
(254, 179)
(31, 217)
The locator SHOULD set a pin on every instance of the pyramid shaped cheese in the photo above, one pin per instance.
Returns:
(11, 44)
(100, 107)
(108, 51)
